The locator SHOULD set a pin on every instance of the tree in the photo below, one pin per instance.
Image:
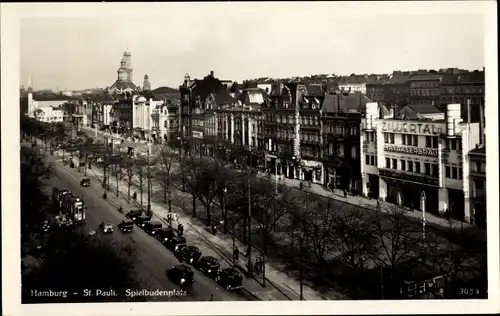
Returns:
(396, 238)
(129, 164)
(192, 169)
(166, 158)
(355, 241)
(70, 265)
(209, 183)
(140, 169)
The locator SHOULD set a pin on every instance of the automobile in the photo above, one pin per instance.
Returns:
(208, 265)
(151, 227)
(164, 234)
(85, 182)
(229, 278)
(133, 214)
(142, 220)
(175, 243)
(190, 254)
(45, 226)
(106, 228)
(126, 226)
(181, 274)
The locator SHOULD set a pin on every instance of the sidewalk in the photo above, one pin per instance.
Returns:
(371, 204)
(284, 285)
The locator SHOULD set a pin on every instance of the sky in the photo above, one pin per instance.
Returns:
(75, 50)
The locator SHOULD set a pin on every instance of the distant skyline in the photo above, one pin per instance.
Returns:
(251, 40)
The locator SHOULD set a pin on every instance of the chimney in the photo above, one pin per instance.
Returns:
(212, 73)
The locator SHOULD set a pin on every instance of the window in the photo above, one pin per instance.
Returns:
(447, 172)
(410, 166)
(460, 175)
(417, 166)
(435, 142)
(387, 163)
(341, 150)
(374, 160)
(391, 138)
(478, 189)
(454, 172)
(415, 140)
(435, 169)
(428, 141)
(453, 144)
(354, 153)
(367, 159)
(386, 138)
(403, 165)
(394, 163)
(403, 139)
(427, 168)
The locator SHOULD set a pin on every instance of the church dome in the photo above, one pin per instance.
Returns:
(141, 99)
(146, 76)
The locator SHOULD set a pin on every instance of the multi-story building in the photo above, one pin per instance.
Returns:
(102, 107)
(391, 90)
(477, 175)
(419, 154)
(165, 121)
(341, 119)
(425, 88)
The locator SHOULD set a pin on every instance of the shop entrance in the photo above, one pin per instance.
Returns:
(291, 172)
(373, 186)
(308, 175)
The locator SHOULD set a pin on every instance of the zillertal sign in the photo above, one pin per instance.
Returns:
(431, 152)
(412, 128)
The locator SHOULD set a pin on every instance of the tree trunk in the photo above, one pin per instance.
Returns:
(129, 183)
(194, 205)
(209, 217)
(165, 189)
(117, 184)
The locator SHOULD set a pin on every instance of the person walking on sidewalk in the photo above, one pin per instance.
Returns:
(180, 229)
(236, 254)
(345, 194)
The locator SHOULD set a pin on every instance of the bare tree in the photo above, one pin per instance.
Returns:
(397, 239)
(140, 169)
(130, 166)
(166, 159)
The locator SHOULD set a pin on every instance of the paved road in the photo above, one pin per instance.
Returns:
(152, 257)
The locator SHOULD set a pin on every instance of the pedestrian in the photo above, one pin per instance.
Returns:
(345, 194)
(236, 253)
(180, 229)
(301, 185)
(134, 196)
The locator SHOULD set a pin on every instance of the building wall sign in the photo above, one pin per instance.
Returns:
(310, 163)
(431, 152)
(402, 176)
(412, 128)
(197, 134)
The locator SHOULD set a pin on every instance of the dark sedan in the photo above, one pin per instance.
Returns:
(175, 243)
(164, 234)
(85, 182)
(142, 220)
(181, 274)
(151, 227)
(133, 214)
(208, 265)
(190, 254)
(229, 278)
(126, 226)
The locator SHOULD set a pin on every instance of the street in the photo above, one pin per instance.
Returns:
(152, 257)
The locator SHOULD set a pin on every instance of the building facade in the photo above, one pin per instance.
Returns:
(477, 158)
(165, 121)
(418, 150)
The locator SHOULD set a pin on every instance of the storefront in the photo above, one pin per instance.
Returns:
(311, 171)
(405, 190)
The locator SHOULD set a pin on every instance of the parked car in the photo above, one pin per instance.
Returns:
(208, 265)
(190, 254)
(126, 226)
(229, 278)
(106, 228)
(85, 182)
(181, 274)
(165, 233)
(133, 214)
(175, 243)
(151, 227)
(142, 220)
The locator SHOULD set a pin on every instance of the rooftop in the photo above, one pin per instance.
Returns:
(479, 151)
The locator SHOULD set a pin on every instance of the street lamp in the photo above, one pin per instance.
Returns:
(181, 150)
(422, 207)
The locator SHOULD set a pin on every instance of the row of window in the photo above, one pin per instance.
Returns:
(478, 166)
(452, 172)
(339, 150)
(371, 160)
(412, 166)
(425, 93)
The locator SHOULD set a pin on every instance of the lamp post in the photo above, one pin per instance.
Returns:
(422, 207)
(180, 151)
(149, 178)
(249, 250)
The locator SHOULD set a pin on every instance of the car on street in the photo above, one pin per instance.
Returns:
(164, 234)
(85, 182)
(175, 243)
(181, 274)
(189, 254)
(142, 220)
(151, 227)
(208, 265)
(133, 214)
(230, 279)
(106, 228)
(126, 226)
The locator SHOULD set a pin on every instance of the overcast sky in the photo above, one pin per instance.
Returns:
(240, 41)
